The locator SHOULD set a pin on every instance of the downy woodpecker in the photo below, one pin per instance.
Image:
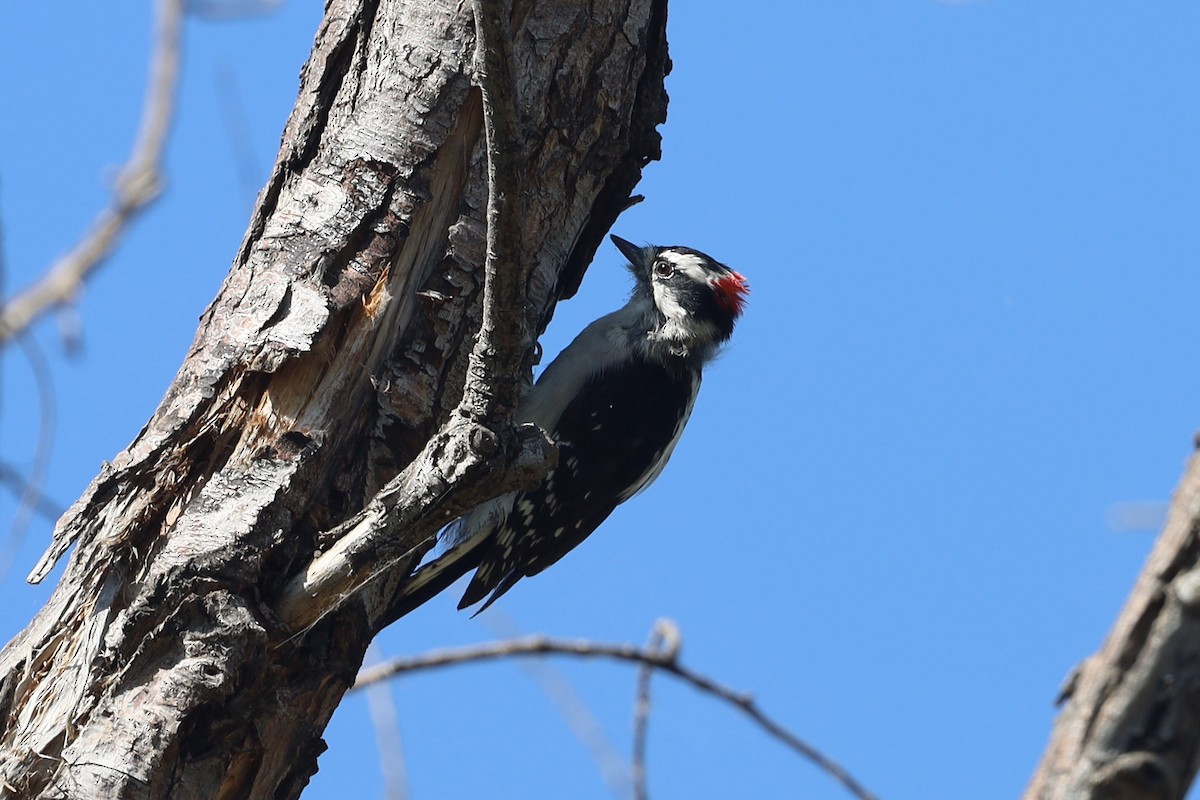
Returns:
(615, 401)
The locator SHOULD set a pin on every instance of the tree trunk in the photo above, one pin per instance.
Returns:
(328, 368)
(1130, 724)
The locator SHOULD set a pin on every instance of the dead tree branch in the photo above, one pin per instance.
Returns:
(665, 660)
(137, 184)
(484, 418)
(231, 9)
(381, 707)
(331, 363)
(573, 709)
(31, 498)
(1130, 723)
(664, 641)
(419, 501)
(18, 485)
(494, 371)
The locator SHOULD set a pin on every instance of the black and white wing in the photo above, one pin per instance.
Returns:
(627, 421)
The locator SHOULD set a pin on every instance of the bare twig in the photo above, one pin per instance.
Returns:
(137, 184)
(664, 660)
(32, 492)
(382, 708)
(3, 266)
(237, 128)
(230, 9)
(17, 484)
(1137, 517)
(494, 370)
(664, 641)
(419, 501)
(570, 705)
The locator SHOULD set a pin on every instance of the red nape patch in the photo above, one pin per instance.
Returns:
(731, 292)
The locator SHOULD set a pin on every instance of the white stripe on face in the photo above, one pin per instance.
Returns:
(666, 299)
(691, 265)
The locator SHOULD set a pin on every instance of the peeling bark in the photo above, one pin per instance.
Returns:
(164, 664)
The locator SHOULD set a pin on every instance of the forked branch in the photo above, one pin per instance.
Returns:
(137, 184)
(458, 467)
(664, 659)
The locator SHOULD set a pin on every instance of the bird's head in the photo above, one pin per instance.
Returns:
(695, 298)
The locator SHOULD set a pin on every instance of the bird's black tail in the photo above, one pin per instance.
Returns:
(436, 576)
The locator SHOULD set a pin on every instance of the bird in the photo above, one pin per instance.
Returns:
(615, 401)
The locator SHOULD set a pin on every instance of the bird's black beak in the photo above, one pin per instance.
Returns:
(629, 250)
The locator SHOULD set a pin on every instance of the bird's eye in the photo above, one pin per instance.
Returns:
(664, 269)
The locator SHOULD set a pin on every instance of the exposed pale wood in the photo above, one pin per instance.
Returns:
(1129, 728)
(333, 355)
(423, 497)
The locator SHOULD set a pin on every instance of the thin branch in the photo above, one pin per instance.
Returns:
(3, 264)
(574, 711)
(382, 709)
(494, 369)
(1147, 516)
(665, 661)
(230, 9)
(137, 184)
(31, 495)
(237, 128)
(664, 641)
(418, 502)
(18, 485)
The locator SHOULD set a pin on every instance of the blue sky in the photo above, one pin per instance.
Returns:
(971, 231)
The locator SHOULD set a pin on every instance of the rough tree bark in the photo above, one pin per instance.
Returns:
(1130, 724)
(185, 653)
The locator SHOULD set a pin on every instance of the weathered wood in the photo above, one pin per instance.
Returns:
(424, 495)
(332, 356)
(1130, 724)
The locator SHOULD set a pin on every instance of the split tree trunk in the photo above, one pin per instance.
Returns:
(325, 370)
